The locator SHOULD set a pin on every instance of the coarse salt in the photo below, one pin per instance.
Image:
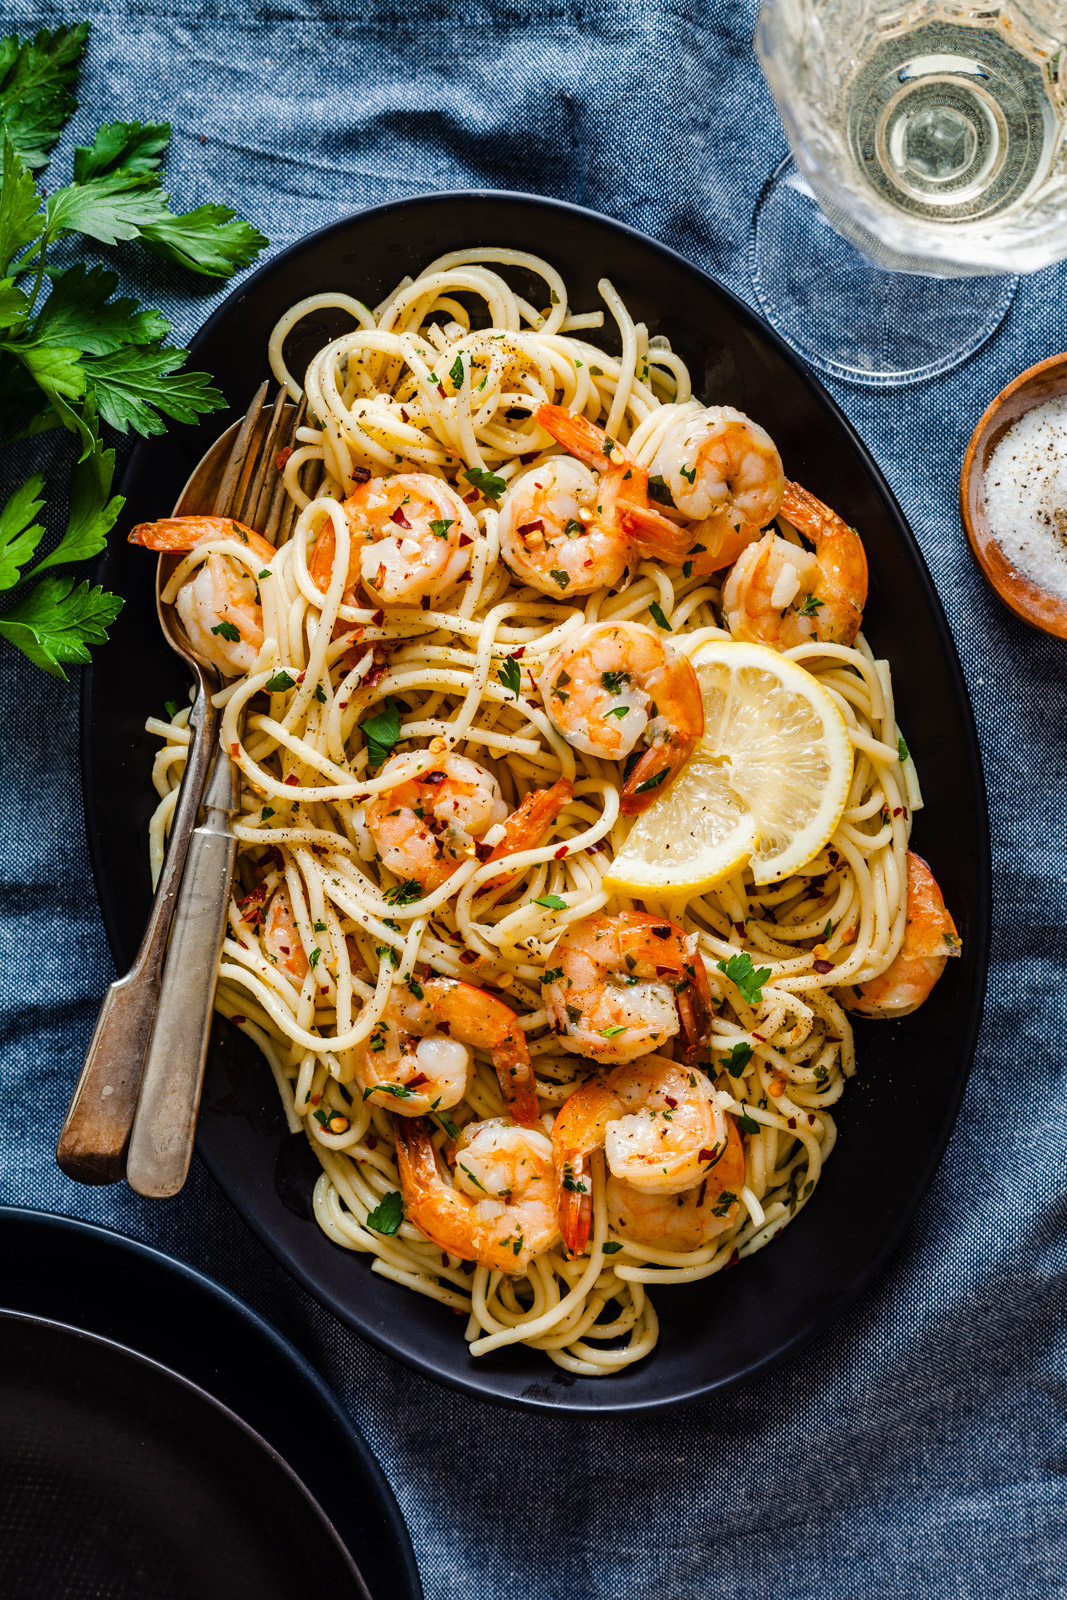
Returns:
(1026, 495)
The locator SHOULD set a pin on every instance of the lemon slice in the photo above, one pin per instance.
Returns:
(765, 786)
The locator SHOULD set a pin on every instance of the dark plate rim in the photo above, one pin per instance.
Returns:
(466, 1382)
(107, 1239)
(160, 1370)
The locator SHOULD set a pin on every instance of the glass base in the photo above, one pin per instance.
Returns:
(849, 318)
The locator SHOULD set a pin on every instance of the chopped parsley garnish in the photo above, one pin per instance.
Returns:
(171, 708)
(811, 606)
(313, 958)
(382, 733)
(455, 372)
(478, 1184)
(652, 783)
(611, 1247)
(746, 1123)
(659, 616)
(320, 694)
(491, 486)
(559, 576)
(510, 675)
(749, 980)
(440, 525)
(228, 631)
(614, 1031)
(388, 1214)
(738, 1058)
(404, 894)
(575, 1185)
(385, 952)
(573, 528)
(658, 491)
(687, 569)
(397, 1090)
(265, 572)
(689, 474)
(414, 987)
(613, 681)
(551, 901)
(278, 682)
(319, 927)
(828, 930)
(268, 811)
(902, 749)
(552, 974)
(618, 711)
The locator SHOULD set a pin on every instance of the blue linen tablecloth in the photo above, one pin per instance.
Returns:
(920, 1447)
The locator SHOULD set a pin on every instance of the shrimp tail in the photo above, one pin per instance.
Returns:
(655, 771)
(694, 1008)
(653, 535)
(581, 438)
(530, 821)
(575, 1205)
(174, 534)
(515, 1075)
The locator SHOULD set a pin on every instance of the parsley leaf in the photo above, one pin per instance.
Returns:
(388, 1214)
(57, 621)
(811, 607)
(611, 1247)
(652, 783)
(92, 511)
(510, 675)
(902, 749)
(212, 240)
(403, 894)
(491, 486)
(659, 616)
(228, 631)
(749, 980)
(559, 576)
(440, 525)
(135, 385)
(382, 733)
(738, 1058)
(658, 491)
(455, 372)
(37, 79)
(552, 901)
(746, 1123)
(134, 146)
(19, 533)
(278, 682)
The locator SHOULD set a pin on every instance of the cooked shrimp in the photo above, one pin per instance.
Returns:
(426, 825)
(219, 602)
(685, 1221)
(780, 595)
(623, 985)
(573, 526)
(614, 683)
(411, 538)
(280, 937)
(418, 1058)
(660, 1125)
(499, 1208)
(722, 470)
(930, 937)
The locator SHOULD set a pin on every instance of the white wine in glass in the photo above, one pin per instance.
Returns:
(934, 137)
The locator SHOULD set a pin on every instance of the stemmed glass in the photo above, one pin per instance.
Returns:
(929, 165)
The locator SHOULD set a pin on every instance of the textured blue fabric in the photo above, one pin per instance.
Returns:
(919, 1448)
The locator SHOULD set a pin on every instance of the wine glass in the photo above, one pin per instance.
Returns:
(929, 165)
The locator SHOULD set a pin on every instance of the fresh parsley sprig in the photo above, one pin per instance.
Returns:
(72, 355)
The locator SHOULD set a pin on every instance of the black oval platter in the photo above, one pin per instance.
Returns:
(912, 1072)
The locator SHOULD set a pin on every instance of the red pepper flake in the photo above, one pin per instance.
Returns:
(469, 499)
(377, 619)
(403, 415)
(469, 957)
(532, 527)
(300, 677)
(531, 455)
(442, 391)
(371, 1141)
(360, 475)
(666, 972)
(484, 852)
(399, 518)
(235, 750)
(464, 540)
(705, 1154)
(761, 1037)
(292, 780)
(315, 1099)
(282, 457)
(739, 929)
(468, 577)
(672, 1103)
(435, 777)
(662, 933)
(251, 905)
(823, 966)
(417, 1081)
(425, 602)
(517, 655)
(238, 1022)
(562, 853)
(792, 1122)
(735, 1258)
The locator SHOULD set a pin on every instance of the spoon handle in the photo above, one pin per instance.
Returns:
(92, 1141)
(161, 1144)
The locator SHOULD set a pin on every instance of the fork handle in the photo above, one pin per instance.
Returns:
(92, 1141)
(161, 1144)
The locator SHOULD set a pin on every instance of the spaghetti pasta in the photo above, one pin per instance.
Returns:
(362, 884)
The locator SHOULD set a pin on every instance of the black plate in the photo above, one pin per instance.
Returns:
(94, 1438)
(912, 1074)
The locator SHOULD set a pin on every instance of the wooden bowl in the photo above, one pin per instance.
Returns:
(1046, 381)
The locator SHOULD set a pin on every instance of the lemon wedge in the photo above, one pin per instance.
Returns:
(765, 786)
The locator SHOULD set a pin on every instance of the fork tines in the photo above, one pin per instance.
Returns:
(252, 490)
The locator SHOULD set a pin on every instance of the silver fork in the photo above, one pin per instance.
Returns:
(237, 477)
